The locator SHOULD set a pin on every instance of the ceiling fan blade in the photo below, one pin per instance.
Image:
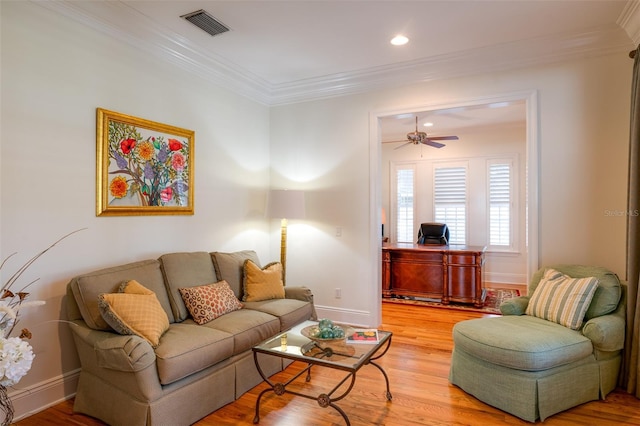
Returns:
(403, 145)
(432, 143)
(443, 138)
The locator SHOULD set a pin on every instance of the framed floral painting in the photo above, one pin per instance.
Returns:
(143, 167)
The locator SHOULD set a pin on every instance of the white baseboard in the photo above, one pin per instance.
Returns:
(346, 316)
(505, 278)
(40, 396)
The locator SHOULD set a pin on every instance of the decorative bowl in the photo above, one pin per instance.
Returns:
(323, 342)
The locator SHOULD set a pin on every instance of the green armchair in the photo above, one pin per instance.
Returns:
(527, 363)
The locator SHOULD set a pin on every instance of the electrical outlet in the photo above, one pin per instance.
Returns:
(338, 231)
(338, 293)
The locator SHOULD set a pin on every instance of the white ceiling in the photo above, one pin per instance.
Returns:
(286, 41)
(280, 52)
(453, 121)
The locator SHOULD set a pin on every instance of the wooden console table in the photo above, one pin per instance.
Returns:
(450, 273)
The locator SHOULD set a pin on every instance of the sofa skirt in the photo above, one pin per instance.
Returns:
(526, 394)
(182, 405)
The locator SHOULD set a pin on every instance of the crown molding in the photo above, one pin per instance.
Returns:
(123, 23)
(507, 56)
(629, 20)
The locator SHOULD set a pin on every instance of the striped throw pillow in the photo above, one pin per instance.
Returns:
(562, 299)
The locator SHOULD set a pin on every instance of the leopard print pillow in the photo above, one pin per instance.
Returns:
(207, 302)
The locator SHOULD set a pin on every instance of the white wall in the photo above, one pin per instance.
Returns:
(583, 137)
(55, 73)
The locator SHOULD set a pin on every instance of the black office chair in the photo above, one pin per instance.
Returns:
(433, 233)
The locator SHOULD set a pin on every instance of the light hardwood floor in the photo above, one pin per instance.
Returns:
(417, 365)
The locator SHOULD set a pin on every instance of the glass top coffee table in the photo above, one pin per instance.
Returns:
(341, 355)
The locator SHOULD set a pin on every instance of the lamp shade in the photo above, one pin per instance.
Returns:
(286, 204)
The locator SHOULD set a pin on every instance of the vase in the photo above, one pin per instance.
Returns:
(6, 407)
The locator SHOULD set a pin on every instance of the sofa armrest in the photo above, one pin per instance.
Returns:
(514, 306)
(116, 352)
(124, 353)
(124, 362)
(301, 293)
(605, 332)
(298, 293)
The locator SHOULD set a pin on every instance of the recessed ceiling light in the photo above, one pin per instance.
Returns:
(428, 124)
(399, 40)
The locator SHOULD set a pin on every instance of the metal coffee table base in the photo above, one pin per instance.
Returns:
(324, 399)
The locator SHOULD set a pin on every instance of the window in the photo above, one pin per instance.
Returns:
(450, 200)
(476, 197)
(404, 203)
(500, 202)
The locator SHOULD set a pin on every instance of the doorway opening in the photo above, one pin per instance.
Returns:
(488, 128)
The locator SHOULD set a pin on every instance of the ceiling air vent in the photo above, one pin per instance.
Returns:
(206, 22)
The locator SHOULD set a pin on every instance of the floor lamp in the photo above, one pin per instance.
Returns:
(285, 204)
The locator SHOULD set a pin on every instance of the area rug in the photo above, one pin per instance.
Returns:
(492, 299)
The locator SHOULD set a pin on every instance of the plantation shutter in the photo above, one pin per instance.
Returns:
(405, 189)
(500, 204)
(450, 201)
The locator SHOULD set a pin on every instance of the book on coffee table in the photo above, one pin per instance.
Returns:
(364, 335)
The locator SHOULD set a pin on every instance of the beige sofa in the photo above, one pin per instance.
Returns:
(195, 369)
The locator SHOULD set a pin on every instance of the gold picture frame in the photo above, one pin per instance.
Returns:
(143, 167)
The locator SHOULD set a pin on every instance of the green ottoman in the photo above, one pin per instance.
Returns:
(534, 368)
(519, 364)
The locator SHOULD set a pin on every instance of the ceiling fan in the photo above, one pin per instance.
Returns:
(415, 138)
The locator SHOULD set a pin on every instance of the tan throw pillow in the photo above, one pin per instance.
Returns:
(207, 302)
(134, 310)
(562, 299)
(262, 284)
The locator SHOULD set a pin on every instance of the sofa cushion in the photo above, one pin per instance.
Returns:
(607, 296)
(262, 283)
(247, 326)
(562, 299)
(188, 348)
(534, 344)
(208, 302)
(290, 312)
(182, 270)
(230, 267)
(86, 288)
(134, 310)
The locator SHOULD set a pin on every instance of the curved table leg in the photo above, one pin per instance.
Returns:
(277, 388)
(386, 379)
(384, 373)
(256, 418)
(325, 400)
